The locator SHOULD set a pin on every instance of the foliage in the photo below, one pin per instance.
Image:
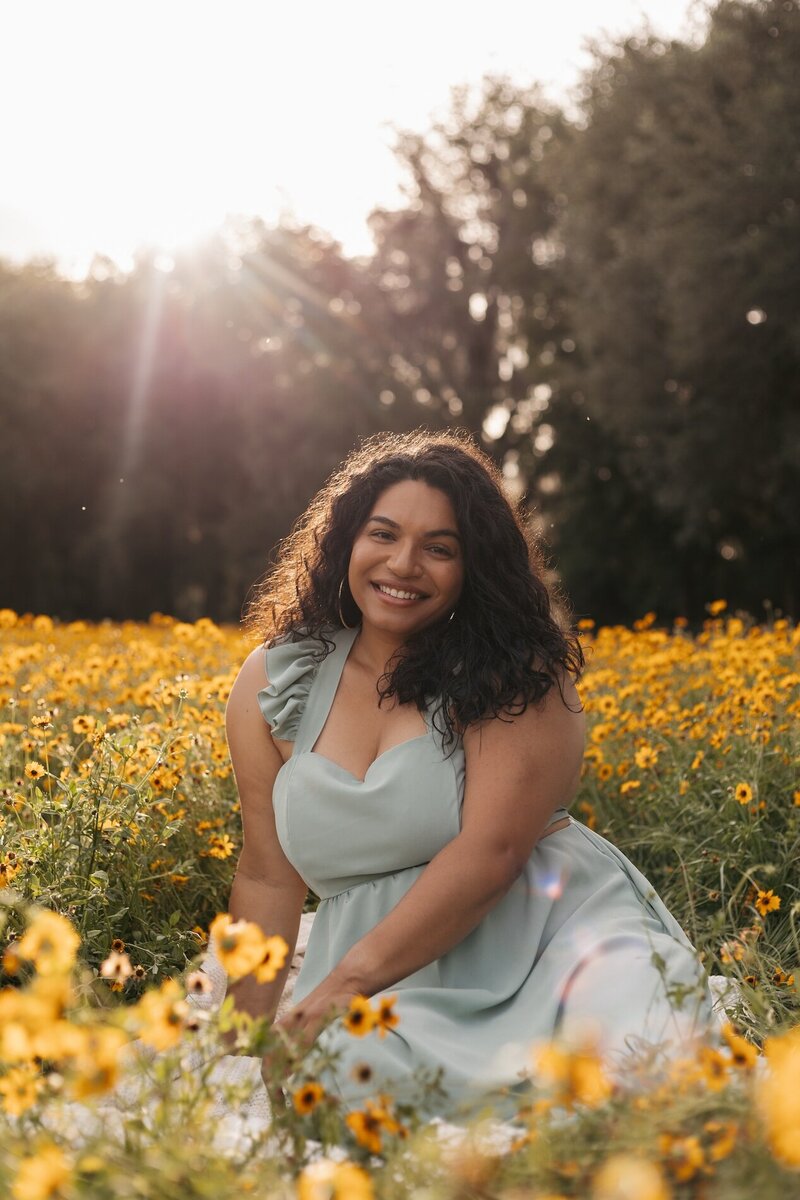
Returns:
(604, 292)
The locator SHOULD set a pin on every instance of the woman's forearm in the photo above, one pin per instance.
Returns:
(450, 898)
(276, 910)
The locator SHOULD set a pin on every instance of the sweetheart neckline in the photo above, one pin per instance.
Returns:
(357, 778)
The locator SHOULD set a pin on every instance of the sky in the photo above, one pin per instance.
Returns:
(148, 123)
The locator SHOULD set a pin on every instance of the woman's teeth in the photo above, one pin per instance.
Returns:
(398, 595)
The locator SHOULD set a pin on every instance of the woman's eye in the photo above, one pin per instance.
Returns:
(441, 549)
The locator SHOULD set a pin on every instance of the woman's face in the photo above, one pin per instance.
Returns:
(409, 544)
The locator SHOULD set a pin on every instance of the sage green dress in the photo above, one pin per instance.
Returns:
(580, 942)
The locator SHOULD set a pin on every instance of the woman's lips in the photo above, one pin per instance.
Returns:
(397, 600)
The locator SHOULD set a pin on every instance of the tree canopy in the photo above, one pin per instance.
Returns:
(607, 297)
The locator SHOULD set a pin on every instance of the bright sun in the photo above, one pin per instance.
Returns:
(148, 123)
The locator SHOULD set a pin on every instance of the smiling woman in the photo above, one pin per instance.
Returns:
(396, 564)
(415, 717)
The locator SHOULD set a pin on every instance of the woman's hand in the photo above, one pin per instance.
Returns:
(303, 1023)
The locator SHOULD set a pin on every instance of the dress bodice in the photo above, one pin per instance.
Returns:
(338, 830)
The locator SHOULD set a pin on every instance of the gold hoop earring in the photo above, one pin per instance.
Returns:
(341, 617)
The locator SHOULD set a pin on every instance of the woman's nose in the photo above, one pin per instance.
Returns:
(402, 559)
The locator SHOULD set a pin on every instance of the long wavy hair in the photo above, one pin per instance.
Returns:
(511, 637)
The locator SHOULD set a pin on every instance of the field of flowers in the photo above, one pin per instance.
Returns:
(119, 833)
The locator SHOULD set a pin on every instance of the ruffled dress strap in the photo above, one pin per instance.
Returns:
(292, 668)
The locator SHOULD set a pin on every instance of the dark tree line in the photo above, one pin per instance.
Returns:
(607, 297)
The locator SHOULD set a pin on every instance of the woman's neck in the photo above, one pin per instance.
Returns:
(373, 648)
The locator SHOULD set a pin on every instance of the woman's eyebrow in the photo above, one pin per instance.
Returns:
(430, 533)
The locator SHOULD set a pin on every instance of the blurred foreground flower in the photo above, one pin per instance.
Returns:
(50, 943)
(572, 1074)
(778, 1096)
(627, 1177)
(242, 948)
(327, 1180)
(43, 1175)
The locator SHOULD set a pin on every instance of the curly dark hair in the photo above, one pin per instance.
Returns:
(508, 642)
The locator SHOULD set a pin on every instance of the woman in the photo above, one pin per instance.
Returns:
(416, 721)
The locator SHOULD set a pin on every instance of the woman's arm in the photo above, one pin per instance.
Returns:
(518, 772)
(266, 888)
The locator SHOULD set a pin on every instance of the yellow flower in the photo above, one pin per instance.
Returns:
(767, 902)
(368, 1124)
(796, 796)
(714, 1068)
(50, 943)
(160, 1015)
(630, 785)
(717, 606)
(628, 1177)
(683, 1154)
(723, 1139)
(386, 1017)
(222, 846)
(698, 758)
(307, 1097)
(778, 1096)
(743, 793)
(360, 1017)
(575, 1074)
(95, 1067)
(35, 770)
(42, 1176)
(273, 958)
(743, 1053)
(328, 1180)
(780, 978)
(20, 1088)
(240, 945)
(645, 757)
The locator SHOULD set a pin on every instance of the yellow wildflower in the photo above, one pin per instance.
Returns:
(576, 1074)
(723, 1139)
(767, 902)
(95, 1068)
(272, 959)
(42, 1176)
(368, 1124)
(240, 945)
(646, 757)
(50, 943)
(328, 1180)
(360, 1017)
(743, 793)
(386, 1017)
(307, 1097)
(628, 1177)
(778, 1096)
(35, 770)
(743, 1053)
(160, 1015)
(20, 1088)
(684, 1155)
